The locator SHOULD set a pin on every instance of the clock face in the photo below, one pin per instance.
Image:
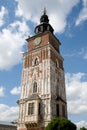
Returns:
(37, 41)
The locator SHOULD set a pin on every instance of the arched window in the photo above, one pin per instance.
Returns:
(36, 30)
(35, 87)
(36, 61)
(57, 64)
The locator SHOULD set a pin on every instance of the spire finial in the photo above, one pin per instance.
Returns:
(44, 12)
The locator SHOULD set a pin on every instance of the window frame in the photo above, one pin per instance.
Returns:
(57, 110)
(63, 111)
(35, 87)
(31, 108)
(35, 61)
(57, 63)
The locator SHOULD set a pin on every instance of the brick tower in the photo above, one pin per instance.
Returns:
(43, 95)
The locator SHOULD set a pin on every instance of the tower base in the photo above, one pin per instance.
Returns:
(33, 129)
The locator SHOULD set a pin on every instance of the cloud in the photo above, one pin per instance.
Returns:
(85, 53)
(3, 12)
(8, 113)
(83, 14)
(85, 57)
(82, 53)
(2, 91)
(18, 11)
(76, 96)
(81, 124)
(15, 90)
(12, 40)
(58, 11)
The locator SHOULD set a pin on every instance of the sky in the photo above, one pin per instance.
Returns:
(18, 19)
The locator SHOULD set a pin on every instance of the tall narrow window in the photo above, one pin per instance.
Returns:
(35, 87)
(57, 110)
(57, 64)
(35, 61)
(30, 108)
(36, 30)
(63, 110)
(39, 109)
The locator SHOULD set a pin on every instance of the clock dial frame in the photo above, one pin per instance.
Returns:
(37, 41)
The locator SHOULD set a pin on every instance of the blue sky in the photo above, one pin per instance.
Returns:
(18, 19)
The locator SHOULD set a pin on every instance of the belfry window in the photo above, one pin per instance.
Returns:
(36, 30)
(35, 87)
(30, 108)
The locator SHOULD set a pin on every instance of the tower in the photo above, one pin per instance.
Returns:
(43, 95)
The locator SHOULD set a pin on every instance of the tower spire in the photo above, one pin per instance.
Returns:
(44, 17)
(44, 12)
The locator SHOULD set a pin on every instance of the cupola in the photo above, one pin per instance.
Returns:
(44, 24)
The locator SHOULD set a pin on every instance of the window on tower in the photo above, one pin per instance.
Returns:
(57, 64)
(30, 108)
(39, 109)
(63, 111)
(35, 87)
(48, 28)
(36, 61)
(36, 30)
(57, 110)
(41, 28)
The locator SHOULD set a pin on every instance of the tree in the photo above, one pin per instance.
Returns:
(83, 128)
(60, 124)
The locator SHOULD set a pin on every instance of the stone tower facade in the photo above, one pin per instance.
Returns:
(43, 95)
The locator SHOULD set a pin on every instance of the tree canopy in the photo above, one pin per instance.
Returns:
(83, 128)
(60, 124)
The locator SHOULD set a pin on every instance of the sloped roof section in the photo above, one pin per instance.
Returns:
(33, 97)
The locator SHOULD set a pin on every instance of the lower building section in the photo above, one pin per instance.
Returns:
(34, 129)
(35, 113)
(32, 126)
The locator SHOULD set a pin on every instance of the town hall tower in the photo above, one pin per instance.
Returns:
(43, 95)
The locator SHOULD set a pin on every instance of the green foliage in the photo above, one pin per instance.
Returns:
(53, 124)
(60, 124)
(83, 128)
